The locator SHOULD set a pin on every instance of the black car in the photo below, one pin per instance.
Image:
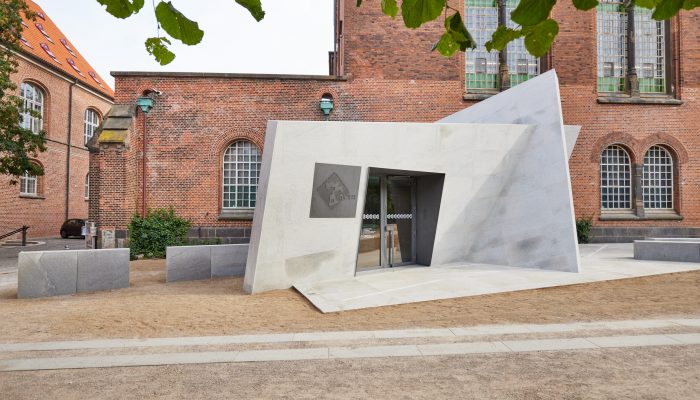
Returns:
(72, 227)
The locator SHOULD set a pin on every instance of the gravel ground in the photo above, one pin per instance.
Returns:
(152, 308)
(632, 373)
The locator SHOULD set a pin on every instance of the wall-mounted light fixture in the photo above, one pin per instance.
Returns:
(145, 104)
(326, 104)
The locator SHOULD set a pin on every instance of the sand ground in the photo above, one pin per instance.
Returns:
(152, 308)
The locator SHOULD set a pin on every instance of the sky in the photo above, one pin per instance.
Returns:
(294, 37)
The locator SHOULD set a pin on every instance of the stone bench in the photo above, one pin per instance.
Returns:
(190, 263)
(668, 249)
(54, 273)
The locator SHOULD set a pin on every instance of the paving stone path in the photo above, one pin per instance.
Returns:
(483, 339)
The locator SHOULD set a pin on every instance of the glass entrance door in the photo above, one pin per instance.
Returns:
(388, 233)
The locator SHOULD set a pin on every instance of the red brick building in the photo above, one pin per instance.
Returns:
(55, 80)
(634, 167)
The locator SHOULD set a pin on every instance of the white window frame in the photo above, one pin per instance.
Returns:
(32, 100)
(87, 186)
(241, 164)
(91, 122)
(28, 185)
(615, 179)
(657, 179)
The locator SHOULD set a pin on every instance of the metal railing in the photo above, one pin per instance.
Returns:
(23, 229)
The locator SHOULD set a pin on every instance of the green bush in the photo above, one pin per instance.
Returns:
(151, 235)
(583, 229)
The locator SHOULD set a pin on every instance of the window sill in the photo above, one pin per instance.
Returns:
(245, 214)
(639, 100)
(648, 216)
(477, 96)
(31, 197)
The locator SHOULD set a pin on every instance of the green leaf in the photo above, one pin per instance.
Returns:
(446, 45)
(456, 37)
(539, 38)
(389, 7)
(254, 7)
(417, 12)
(177, 25)
(690, 4)
(532, 12)
(501, 37)
(667, 9)
(122, 8)
(158, 49)
(585, 5)
(455, 27)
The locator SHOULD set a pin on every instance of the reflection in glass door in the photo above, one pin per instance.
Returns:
(387, 237)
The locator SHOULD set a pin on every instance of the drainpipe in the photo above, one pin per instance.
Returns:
(70, 128)
(143, 171)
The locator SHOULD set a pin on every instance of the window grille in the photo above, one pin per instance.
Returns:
(650, 51)
(481, 19)
(657, 180)
(521, 64)
(241, 172)
(92, 121)
(611, 25)
(32, 107)
(28, 185)
(615, 179)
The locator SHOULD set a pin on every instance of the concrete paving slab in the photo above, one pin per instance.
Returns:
(188, 263)
(636, 341)
(687, 322)
(461, 348)
(47, 273)
(408, 285)
(549, 344)
(106, 269)
(374, 351)
(412, 333)
(283, 355)
(686, 338)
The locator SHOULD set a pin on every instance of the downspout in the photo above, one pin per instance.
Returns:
(143, 171)
(68, 155)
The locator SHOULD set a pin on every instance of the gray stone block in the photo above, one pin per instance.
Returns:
(228, 260)
(658, 250)
(187, 263)
(105, 269)
(46, 273)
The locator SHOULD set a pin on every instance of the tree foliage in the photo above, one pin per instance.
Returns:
(17, 145)
(533, 19)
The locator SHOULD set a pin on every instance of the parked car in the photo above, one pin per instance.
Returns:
(72, 227)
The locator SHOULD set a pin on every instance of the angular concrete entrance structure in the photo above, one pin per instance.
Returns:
(506, 196)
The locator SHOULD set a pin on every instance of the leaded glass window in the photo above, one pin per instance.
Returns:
(481, 19)
(611, 25)
(241, 172)
(650, 51)
(32, 107)
(657, 180)
(615, 179)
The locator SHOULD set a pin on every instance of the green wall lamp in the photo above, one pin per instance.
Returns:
(326, 104)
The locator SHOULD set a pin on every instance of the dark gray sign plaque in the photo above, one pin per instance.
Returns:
(334, 193)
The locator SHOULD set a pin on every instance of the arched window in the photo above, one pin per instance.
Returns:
(657, 180)
(33, 107)
(615, 179)
(87, 186)
(28, 185)
(92, 121)
(241, 171)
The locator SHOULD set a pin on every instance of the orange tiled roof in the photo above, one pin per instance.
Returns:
(42, 39)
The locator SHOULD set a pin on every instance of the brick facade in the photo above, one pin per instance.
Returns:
(386, 72)
(45, 214)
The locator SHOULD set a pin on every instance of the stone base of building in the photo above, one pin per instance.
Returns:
(630, 234)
